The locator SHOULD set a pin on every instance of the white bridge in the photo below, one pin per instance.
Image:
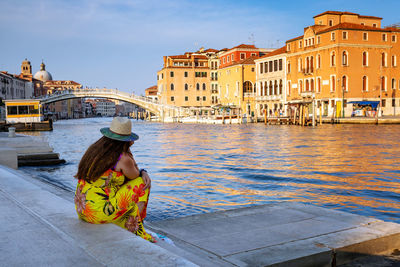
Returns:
(163, 112)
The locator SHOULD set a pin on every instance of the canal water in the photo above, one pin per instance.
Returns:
(197, 168)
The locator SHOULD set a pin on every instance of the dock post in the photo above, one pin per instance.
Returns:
(320, 115)
(265, 116)
(301, 116)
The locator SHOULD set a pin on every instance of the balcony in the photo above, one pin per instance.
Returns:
(214, 91)
(308, 71)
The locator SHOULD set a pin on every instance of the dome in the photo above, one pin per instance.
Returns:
(43, 74)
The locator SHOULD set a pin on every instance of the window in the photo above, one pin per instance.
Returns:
(204, 86)
(383, 103)
(394, 39)
(300, 86)
(344, 35)
(186, 74)
(394, 61)
(393, 102)
(171, 74)
(383, 83)
(270, 66)
(253, 54)
(198, 98)
(318, 61)
(383, 59)
(172, 86)
(384, 37)
(344, 83)
(365, 59)
(223, 60)
(288, 87)
(374, 25)
(365, 83)
(333, 59)
(280, 64)
(197, 86)
(332, 36)
(242, 55)
(300, 65)
(393, 83)
(333, 83)
(344, 58)
(266, 67)
(365, 36)
(288, 47)
(288, 67)
(186, 98)
(318, 39)
(261, 67)
(162, 75)
(232, 57)
(275, 65)
(330, 23)
(300, 44)
(204, 98)
(186, 87)
(172, 98)
(318, 85)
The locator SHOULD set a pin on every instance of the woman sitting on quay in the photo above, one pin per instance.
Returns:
(111, 188)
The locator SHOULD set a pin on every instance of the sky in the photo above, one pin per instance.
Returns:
(121, 43)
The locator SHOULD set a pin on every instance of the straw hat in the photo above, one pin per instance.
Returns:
(120, 129)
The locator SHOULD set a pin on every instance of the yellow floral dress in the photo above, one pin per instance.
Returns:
(110, 200)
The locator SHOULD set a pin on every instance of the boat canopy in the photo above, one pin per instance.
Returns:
(373, 104)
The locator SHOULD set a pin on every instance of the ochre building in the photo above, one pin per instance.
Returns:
(344, 57)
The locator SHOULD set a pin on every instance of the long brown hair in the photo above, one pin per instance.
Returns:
(99, 157)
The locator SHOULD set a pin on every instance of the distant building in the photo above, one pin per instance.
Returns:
(105, 107)
(151, 93)
(13, 87)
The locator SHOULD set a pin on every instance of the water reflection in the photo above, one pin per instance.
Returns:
(202, 168)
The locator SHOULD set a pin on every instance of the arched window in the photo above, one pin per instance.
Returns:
(318, 61)
(307, 85)
(280, 87)
(300, 86)
(312, 85)
(333, 83)
(383, 59)
(276, 87)
(204, 86)
(365, 59)
(344, 58)
(307, 64)
(247, 87)
(383, 83)
(393, 83)
(172, 86)
(312, 64)
(265, 88)
(333, 59)
(288, 67)
(318, 85)
(289, 87)
(186, 87)
(270, 87)
(300, 65)
(197, 86)
(344, 83)
(365, 83)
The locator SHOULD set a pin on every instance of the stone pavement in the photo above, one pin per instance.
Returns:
(284, 234)
(39, 227)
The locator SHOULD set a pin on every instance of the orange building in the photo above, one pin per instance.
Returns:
(344, 57)
(185, 80)
(151, 92)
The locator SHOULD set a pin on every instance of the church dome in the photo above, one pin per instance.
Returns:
(43, 74)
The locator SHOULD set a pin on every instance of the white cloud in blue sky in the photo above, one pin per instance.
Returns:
(120, 43)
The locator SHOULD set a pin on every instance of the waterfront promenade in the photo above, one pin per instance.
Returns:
(38, 221)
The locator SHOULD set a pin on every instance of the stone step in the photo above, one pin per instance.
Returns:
(40, 162)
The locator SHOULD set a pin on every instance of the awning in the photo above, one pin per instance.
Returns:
(373, 104)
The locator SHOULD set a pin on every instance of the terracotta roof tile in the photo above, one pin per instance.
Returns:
(345, 13)
(244, 46)
(276, 52)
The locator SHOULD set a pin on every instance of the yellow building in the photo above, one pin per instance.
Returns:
(185, 80)
(344, 57)
(236, 84)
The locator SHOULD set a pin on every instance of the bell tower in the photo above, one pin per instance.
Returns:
(26, 68)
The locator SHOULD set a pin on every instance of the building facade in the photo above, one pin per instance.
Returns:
(344, 57)
(271, 83)
(105, 108)
(185, 80)
(151, 93)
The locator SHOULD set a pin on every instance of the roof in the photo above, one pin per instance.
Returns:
(188, 56)
(244, 46)
(276, 52)
(353, 26)
(211, 50)
(246, 61)
(293, 39)
(154, 87)
(345, 13)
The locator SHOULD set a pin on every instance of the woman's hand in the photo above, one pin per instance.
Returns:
(146, 180)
